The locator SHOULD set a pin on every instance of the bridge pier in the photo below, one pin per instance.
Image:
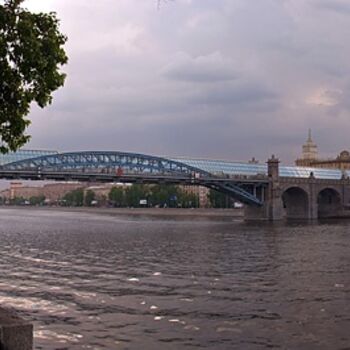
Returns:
(286, 200)
(272, 209)
(306, 198)
(313, 202)
(274, 199)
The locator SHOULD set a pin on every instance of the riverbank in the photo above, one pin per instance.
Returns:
(162, 212)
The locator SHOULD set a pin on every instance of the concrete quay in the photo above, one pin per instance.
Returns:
(15, 333)
(152, 212)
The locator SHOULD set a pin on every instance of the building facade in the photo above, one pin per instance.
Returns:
(52, 192)
(309, 153)
(309, 157)
(201, 192)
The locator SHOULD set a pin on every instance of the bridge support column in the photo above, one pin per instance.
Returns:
(272, 209)
(255, 213)
(346, 195)
(275, 204)
(313, 205)
(274, 200)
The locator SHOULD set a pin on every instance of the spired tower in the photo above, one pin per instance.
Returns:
(309, 149)
(309, 154)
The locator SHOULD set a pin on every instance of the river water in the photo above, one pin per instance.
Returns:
(90, 281)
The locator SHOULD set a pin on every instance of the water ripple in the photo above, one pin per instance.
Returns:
(96, 282)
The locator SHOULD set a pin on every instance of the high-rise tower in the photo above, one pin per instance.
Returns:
(309, 149)
(310, 154)
(309, 158)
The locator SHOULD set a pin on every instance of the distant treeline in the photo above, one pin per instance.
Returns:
(135, 196)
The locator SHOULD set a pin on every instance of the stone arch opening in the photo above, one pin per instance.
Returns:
(295, 203)
(328, 203)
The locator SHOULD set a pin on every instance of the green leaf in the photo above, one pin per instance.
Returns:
(31, 55)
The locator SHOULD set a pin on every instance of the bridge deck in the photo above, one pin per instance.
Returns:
(214, 167)
(245, 182)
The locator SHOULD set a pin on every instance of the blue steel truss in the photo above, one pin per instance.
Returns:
(123, 163)
(98, 161)
(236, 192)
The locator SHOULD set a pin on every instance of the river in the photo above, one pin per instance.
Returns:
(90, 281)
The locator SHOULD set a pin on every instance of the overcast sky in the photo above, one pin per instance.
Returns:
(227, 79)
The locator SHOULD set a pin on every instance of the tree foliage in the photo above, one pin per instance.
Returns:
(31, 53)
(134, 194)
(89, 198)
(74, 198)
(117, 196)
(219, 200)
(17, 201)
(156, 195)
(37, 200)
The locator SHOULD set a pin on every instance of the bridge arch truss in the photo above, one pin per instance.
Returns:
(98, 161)
(129, 167)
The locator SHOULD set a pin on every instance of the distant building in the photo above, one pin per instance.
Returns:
(342, 162)
(200, 191)
(52, 192)
(309, 154)
(253, 161)
(310, 158)
(102, 190)
(14, 186)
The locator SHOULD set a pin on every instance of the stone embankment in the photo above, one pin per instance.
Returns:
(176, 212)
(15, 333)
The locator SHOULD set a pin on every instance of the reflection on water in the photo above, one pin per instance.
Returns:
(101, 282)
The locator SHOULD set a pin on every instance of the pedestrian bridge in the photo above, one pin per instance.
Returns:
(269, 191)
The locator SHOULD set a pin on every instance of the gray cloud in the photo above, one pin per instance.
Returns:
(210, 68)
(338, 6)
(236, 95)
(224, 79)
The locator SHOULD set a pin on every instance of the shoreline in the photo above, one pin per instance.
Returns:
(162, 212)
